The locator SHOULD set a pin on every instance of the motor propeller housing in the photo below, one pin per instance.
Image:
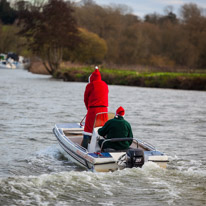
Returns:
(132, 158)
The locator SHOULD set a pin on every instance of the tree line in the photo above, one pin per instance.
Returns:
(89, 33)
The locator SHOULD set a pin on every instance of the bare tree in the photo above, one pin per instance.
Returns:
(189, 11)
(49, 29)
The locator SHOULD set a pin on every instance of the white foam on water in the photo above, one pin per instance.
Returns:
(183, 177)
(69, 187)
(110, 203)
(188, 167)
(52, 151)
(47, 187)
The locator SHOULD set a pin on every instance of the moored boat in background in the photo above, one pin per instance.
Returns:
(13, 61)
(7, 65)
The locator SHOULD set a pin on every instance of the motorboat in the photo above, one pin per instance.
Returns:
(6, 65)
(13, 61)
(96, 159)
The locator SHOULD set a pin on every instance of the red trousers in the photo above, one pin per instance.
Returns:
(91, 114)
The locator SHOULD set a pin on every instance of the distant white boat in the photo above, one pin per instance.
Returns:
(95, 158)
(7, 65)
(13, 61)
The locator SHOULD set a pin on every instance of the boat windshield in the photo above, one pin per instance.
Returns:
(102, 117)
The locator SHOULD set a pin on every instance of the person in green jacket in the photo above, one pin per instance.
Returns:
(117, 127)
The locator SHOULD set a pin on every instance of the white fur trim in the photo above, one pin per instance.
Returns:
(119, 115)
(87, 133)
(89, 78)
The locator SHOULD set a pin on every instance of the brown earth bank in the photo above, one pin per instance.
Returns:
(37, 67)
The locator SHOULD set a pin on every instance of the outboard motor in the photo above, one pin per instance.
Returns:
(134, 158)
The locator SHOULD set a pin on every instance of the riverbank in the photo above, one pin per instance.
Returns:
(173, 80)
(194, 80)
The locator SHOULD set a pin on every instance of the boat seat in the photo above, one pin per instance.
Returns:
(115, 140)
(114, 150)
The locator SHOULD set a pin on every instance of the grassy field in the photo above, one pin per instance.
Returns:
(174, 80)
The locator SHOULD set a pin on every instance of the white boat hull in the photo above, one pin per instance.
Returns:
(70, 136)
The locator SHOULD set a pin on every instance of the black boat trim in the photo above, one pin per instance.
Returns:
(78, 158)
(72, 153)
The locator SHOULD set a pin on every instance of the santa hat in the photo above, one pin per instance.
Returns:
(120, 111)
(95, 75)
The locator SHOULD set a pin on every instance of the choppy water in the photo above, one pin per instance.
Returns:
(34, 171)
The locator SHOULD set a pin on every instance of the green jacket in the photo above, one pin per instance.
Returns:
(116, 128)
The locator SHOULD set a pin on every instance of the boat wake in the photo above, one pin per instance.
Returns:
(188, 167)
(51, 159)
(55, 180)
(64, 184)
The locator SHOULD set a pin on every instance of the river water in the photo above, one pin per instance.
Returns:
(34, 171)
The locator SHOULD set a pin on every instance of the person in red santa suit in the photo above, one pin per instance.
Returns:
(96, 101)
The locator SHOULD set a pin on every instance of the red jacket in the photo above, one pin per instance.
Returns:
(96, 92)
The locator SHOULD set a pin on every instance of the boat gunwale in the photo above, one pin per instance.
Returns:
(143, 144)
